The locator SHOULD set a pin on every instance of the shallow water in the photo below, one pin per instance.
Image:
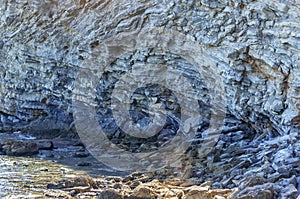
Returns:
(31, 175)
(15, 136)
(27, 176)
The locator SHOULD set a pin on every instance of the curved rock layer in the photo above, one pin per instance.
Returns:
(43, 44)
(254, 43)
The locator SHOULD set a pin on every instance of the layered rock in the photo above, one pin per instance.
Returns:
(254, 43)
(43, 44)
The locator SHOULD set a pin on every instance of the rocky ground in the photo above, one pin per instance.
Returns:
(62, 168)
(59, 169)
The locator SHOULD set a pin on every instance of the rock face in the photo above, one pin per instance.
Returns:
(43, 44)
(254, 43)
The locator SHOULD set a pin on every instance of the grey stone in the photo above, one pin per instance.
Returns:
(289, 192)
(265, 191)
(80, 154)
(19, 148)
(110, 193)
(58, 52)
(44, 145)
(255, 43)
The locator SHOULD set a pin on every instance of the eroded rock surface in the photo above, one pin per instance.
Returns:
(43, 45)
(256, 46)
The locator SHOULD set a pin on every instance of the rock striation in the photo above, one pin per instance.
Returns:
(255, 44)
(43, 44)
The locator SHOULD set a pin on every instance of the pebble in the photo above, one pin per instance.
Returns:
(83, 164)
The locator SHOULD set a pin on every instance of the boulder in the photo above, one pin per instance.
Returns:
(109, 194)
(19, 148)
(44, 144)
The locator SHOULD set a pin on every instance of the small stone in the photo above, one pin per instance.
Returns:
(197, 192)
(117, 186)
(55, 186)
(282, 155)
(110, 194)
(135, 184)
(1, 44)
(73, 193)
(289, 192)
(143, 192)
(84, 164)
(80, 154)
(127, 178)
(173, 182)
(44, 169)
(44, 144)
(265, 191)
(219, 197)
